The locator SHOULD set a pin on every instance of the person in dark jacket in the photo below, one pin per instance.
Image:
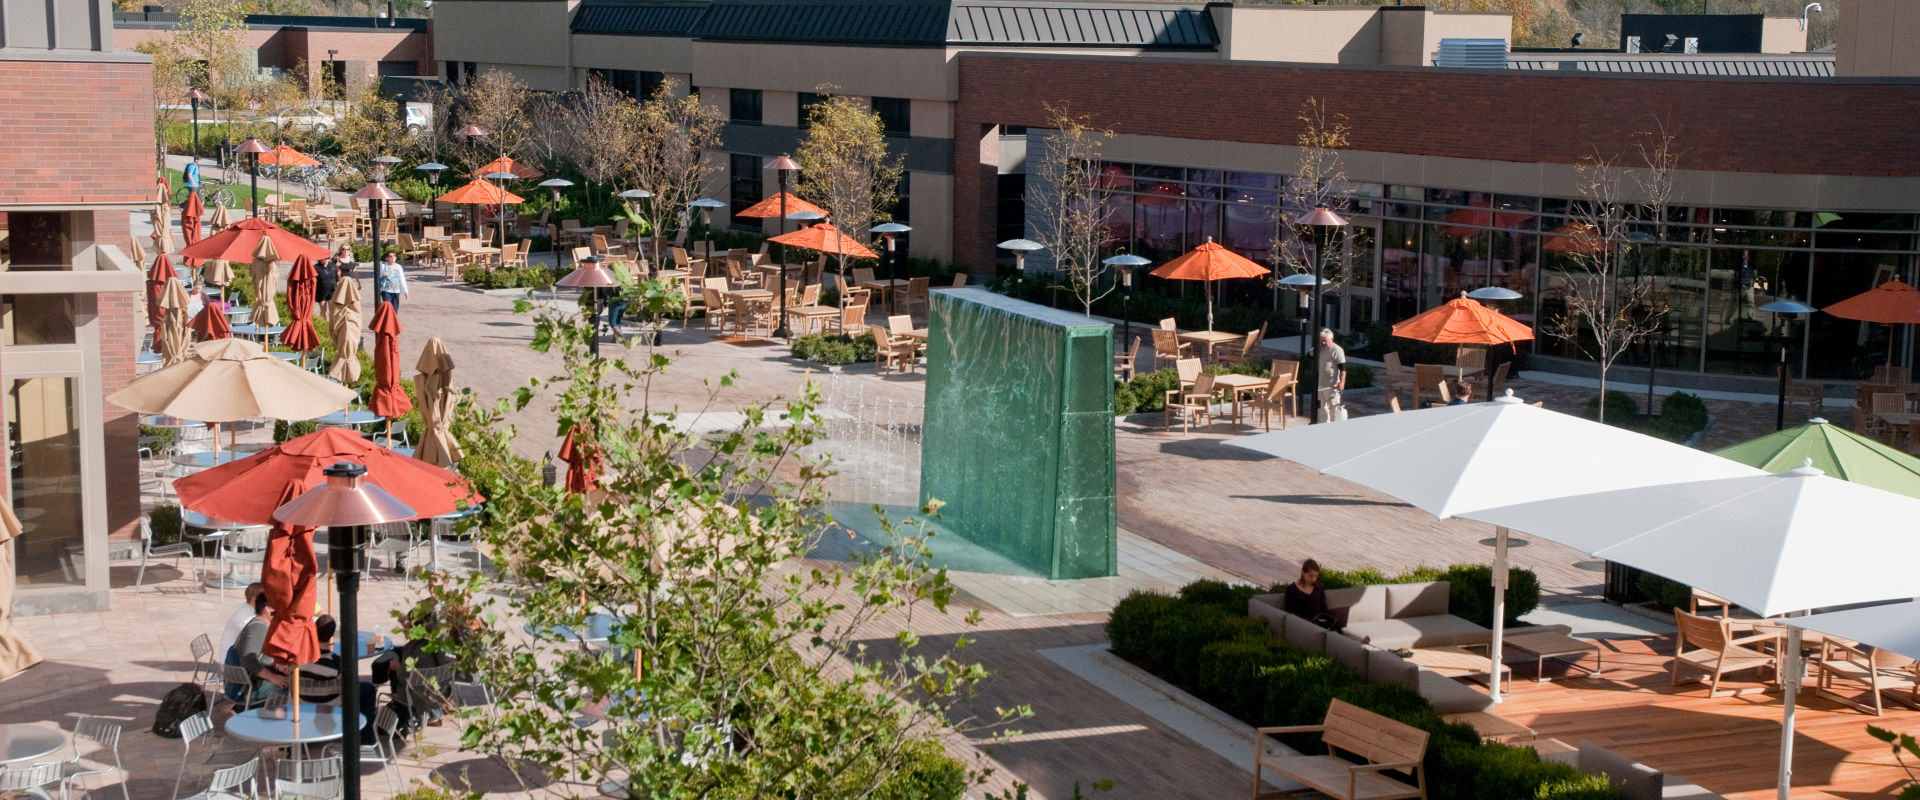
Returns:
(1305, 598)
(326, 280)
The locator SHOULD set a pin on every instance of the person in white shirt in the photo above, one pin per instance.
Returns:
(238, 622)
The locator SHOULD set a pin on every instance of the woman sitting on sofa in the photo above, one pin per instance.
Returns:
(1306, 599)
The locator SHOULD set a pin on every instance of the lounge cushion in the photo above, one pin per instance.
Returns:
(1363, 603)
(1349, 652)
(1385, 667)
(1635, 781)
(1450, 696)
(1442, 630)
(1301, 632)
(1417, 599)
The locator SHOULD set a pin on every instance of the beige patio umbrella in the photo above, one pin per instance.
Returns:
(343, 317)
(139, 253)
(161, 216)
(16, 653)
(434, 386)
(173, 342)
(266, 313)
(225, 380)
(216, 272)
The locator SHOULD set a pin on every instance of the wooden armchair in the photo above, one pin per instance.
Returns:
(567, 237)
(1710, 646)
(1884, 403)
(862, 275)
(1428, 378)
(891, 352)
(511, 255)
(1127, 363)
(1470, 358)
(917, 294)
(1195, 403)
(855, 296)
(1188, 370)
(1810, 394)
(1170, 324)
(1498, 380)
(1874, 669)
(853, 317)
(720, 307)
(1394, 378)
(1168, 349)
(959, 280)
(1281, 390)
(1249, 350)
(410, 250)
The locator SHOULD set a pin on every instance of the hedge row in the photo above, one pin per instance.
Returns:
(1203, 642)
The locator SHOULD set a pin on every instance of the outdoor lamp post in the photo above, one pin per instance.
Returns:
(706, 206)
(1322, 219)
(805, 217)
(253, 148)
(1126, 263)
(196, 97)
(888, 231)
(1794, 308)
(784, 168)
(433, 170)
(633, 198)
(589, 277)
(553, 185)
(376, 195)
(1502, 293)
(1303, 284)
(346, 507)
(1020, 248)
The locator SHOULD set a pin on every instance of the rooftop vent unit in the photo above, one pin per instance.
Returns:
(1472, 53)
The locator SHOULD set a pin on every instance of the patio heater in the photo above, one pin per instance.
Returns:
(889, 231)
(346, 507)
(784, 168)
(805, 218)
(1303, 284)
(706, 206)
(590, 278)
(1794, 308)
(1020, 248)
(253, 148)
(470, 132)
(376, 195)
(196, 97)
(1126, 263)
(1502, 294)
(500, 178)
(553, 185)
(1323, 220)
(633, 198)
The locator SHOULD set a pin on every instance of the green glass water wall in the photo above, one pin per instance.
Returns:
(1018, 436)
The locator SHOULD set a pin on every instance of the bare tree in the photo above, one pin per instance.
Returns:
(497, 102)
(1069, 203)
(1318, 179)
(845, 166)
(668, 155)
(599, 129)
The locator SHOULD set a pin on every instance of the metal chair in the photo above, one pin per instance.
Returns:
(233, 783)
(30, 780)
(205, 667)
(317, 778)
(192, 729)
(235, 674)
(179, 549)
(384, 748)
(107, 736)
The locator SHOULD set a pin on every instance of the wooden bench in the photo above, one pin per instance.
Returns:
(1381, 743)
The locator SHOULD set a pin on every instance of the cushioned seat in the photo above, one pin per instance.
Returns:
(1449, 696)
(1436, 630)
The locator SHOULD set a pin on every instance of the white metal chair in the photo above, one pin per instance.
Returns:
(206, 668)
(102, 733)
(383, 749)
(317, 778)
(148, 550)
(233, 783)
(30, 780)
(242, 552)
(192, 729)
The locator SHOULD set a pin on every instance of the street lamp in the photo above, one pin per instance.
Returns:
(805, 217)
(470, 132)
(346, 507)
(1322, 219)
(1303, 284)
(253, 148)
(888, 231)
(706, 206)
(433, 170)
(1126, 263)
(590, 278)
(376, 195)
(196, 97)
(1794, 308)
(554, 185)
(1020, 248)
(784, 168)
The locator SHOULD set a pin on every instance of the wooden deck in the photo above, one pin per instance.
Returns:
(1729, 745)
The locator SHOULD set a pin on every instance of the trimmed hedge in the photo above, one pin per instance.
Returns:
(835, 349)
(1202, 643)
(1469, 590)
(1148, 390)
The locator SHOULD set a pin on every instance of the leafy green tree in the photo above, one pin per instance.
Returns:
(735, 666)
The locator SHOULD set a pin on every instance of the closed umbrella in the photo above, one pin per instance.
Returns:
(172, 343)
(139, 253)
(157, 279)
(211, 323)
(1208, 263)
(1462, 460)
(343, 320)
(1834, 450)
(266, 313)
(191, 213)
(232, 379)
(433, 384)
(16, 653)
(388, 399)
(584, 462)
(301, 282)
(161, 217)
(216, 272)
(287, 574)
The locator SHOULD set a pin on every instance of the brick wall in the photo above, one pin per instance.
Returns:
(284, 48)
(1789, 127)
(76, 132)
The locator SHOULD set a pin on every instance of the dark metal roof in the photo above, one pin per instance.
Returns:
(1169, 27)
(1732, 66)
(168, 19)
(655, 18)
(899, 23)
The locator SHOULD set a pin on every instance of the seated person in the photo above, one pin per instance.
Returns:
(265, 673)
(1305, 598)
(1462, 392)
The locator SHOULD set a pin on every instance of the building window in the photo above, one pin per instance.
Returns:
(37, 319)
(743, 106)
(390, 68)
(807, 101)
(637, 84)
(901, 210)
(43, 440)
(745, 184)
(896, 115)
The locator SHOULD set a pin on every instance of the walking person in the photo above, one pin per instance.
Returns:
(326, 281)
(390, 280)
(1332, 371)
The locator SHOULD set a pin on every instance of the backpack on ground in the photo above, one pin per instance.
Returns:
(181, 702)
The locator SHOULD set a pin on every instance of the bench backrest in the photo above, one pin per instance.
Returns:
(1376, 738)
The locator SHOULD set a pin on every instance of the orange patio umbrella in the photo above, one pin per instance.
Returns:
(1464, 223)
(1208, 263)
(286, 156)
(242, 239)
(211, 323)
(480, 192)
(1463, 320)
(770, 207)
(505, 164)
(825, 238)
(1892, 303)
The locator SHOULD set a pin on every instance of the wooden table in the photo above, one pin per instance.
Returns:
(746, 299)
(1236, 385)
(884, 289)
(807, 316)
(1545, 645)
(1211, 339)
(1458, 662)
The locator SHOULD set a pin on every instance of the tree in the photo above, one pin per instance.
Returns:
(373, 127)
(599, 129)
(1607, 313)
(1319, 178)
(212, 33)
(1070, 203)
(730, 667)
(497, 102)
(668, 156)
(844, 166)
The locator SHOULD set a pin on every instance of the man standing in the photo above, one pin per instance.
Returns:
(1332, 372)
(191, 176)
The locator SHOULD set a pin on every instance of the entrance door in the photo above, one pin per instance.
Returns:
(1356, 304)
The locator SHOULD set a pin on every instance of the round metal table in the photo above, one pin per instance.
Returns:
(206, 458)
(276, 726)
(251, 330)
(171, 423)
(285, 355)
(24, 742)
(217, 530)
(354, 418)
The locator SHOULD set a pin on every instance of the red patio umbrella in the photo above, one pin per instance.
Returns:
(1463, 320)
(190, 214)
(1892, 303)
(825, 238)
(286, 156)
(505, 164)
(301, 282)
(157, 279)
(480, 192)
(1208, 263)
(1464, 223)
(211, 322)
(388, 400)
(287, 575)
(584, 463)
(239, 241)
(1575, 237)
(770, 207)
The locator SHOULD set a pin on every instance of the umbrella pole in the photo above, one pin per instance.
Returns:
(1790, 679)
(296, 692)
(1499, 608)
(1207, 288)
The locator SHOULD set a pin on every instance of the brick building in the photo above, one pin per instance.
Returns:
(70, 174)
(354, 50)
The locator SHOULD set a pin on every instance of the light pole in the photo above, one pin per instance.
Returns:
(633, 198)
(784, 168)
(433, 170)
(888, 231)
(1126, 263)
(1303, 284)
(471, 132)
(706, 206)
(1793, 308)
(805, 217)
(1322, 219)
(1020, 248)
(253, 148)
(196, 97)
(589, 277)
(554, 185)
(346, 507)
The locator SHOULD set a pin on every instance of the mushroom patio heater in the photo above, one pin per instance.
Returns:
(590, 277)
(890, 231)
(1126, 263)
(253, 148)
(1020, 248)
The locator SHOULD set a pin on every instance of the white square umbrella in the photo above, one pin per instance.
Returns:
(1459, 460)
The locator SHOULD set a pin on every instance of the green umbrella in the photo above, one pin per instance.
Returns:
(1836, 451)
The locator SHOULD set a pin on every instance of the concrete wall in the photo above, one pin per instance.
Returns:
(529, 38)
(913, 72)
(1875, 38)
(76, 25)
(645, 53)
(1312, 34)
(1782, 35)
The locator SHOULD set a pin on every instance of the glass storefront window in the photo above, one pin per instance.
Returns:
(43, 444)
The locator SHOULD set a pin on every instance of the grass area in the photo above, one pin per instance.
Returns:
(175, 180)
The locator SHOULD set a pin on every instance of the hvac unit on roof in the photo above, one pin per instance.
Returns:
(1472, 53)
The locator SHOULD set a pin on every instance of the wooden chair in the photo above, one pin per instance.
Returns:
(900, 324)
(891, 353)
(852, 296)
(1187, 370)
(1810, 394)
(1289, 388)
(1876, 670)
(434, 232)
(741, 277)
(1168, 349)
(1195, 403)
(862, 275)
(1425, 378)
(917, 294)
(410, 250)
(853, 317)
(1280, 390)
(511, 255)
(1249, 350)
(1884, 403)
(810, 274)
(720, 307)
(567, 237)
(1169, 324)
(1469, 358)
(1125, 364)
(1883, 373)
(1498, 380)
(1394, 378)
(959, 280)
(1381, 745)
(1709, 645)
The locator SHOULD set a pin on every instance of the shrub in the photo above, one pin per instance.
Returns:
(1470, 593)
(1359, 376)
(1231, 598)
(1229, 673)
(529, 277)
(164, 519)
(1337, 579)
(927, 774)
(1130, 627)
(1621, 410)
(1147, 392)
(1681, 415)
(163, 438)
(835, 349)
(284, 431)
